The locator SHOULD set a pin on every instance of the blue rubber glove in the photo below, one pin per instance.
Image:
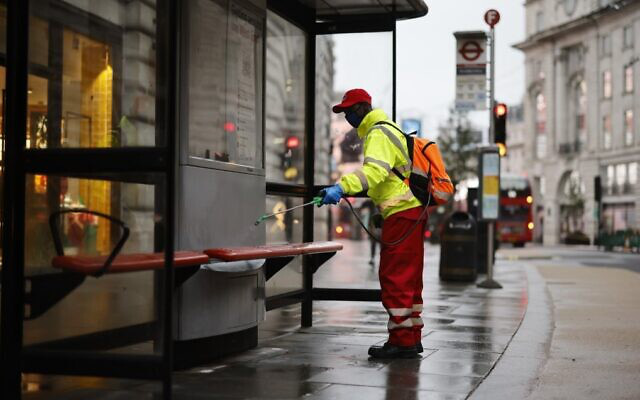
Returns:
(332, 194)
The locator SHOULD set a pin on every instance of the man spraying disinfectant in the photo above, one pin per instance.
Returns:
(387, 177)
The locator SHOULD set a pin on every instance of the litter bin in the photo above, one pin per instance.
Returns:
(458, 248)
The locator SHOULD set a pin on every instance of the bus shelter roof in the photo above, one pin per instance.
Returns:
(345, 10)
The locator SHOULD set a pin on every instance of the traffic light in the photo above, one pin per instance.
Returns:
(500, 124)
(289, 158)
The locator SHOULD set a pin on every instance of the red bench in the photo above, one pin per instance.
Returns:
(277, 256)
(91, 265)
(186, 263)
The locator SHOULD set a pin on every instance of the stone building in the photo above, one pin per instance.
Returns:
(513, 162)
(582, 114)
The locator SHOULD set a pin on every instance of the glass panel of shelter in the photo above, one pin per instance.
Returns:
(92, 84)
(343, 63)
(100, 89)
(285, 131)
(223, 95)
(113, 300)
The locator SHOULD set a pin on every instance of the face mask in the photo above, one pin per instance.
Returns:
(353, 119)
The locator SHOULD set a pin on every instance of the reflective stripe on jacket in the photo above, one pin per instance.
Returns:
(384, 148)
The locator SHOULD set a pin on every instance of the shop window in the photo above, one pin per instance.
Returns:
(606, 132)
(222, 97)
(606, 84)
(87, 95)
(618, 217)
(286, 102)
(628, 78)
(628, 127)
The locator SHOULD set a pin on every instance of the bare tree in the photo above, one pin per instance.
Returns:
(458, 141)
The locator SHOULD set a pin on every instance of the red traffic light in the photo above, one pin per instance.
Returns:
(292, 142)
(500, 110)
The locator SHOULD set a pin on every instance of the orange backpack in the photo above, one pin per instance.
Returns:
(428, 181)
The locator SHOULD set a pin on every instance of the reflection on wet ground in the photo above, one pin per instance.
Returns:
(466, 331)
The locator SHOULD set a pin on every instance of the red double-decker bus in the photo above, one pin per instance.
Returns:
(515, 223)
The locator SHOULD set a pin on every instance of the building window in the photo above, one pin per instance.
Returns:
(581, 112)
(606, 84)
(633, 173)
(628, 79)
(610, 178)
(539, 21)
(539, 73)
(627, 36)
(628, 127)
(541, 126)
(621, 175)
(606, 132)
(570, 6)
(605, 45)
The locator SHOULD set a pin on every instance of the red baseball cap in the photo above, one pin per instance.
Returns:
(351, 97)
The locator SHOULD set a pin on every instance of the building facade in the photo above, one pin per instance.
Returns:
(582, 115)
(513, 162)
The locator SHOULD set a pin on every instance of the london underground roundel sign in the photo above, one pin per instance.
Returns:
(492, 17)
(471, 50)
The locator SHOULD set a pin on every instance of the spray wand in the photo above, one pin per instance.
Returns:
(316, 200)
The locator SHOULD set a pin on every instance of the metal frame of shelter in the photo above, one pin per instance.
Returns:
(137, 164)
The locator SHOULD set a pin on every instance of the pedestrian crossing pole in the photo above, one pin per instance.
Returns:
(489, 164)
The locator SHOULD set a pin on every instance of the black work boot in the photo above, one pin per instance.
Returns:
(393, 351)
(419, 347)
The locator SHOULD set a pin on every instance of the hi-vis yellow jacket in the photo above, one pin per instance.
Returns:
(384, 148)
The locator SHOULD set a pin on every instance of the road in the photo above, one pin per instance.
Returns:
(585, 256)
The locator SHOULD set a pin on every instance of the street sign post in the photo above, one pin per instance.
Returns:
(489, 184)
(489, 203)
(492, 17)
(489, 163)
(471, 70)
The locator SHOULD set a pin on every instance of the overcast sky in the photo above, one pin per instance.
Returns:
(426, 59)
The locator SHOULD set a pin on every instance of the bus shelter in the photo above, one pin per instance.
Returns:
(141, 139)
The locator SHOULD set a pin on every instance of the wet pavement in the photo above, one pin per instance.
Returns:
(467, 330)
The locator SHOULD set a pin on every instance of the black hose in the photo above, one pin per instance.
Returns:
(403, 237)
